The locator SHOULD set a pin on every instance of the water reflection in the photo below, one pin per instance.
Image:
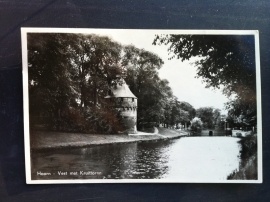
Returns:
(119, 161)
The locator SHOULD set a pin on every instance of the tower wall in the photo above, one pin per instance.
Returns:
(128, 111)
(121, 98)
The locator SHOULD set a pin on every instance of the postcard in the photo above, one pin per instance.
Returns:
(139, 106)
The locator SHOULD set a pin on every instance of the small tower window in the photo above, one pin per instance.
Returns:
(109, 92)
(132, 99)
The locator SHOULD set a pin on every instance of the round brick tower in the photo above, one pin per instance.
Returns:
(126, 102)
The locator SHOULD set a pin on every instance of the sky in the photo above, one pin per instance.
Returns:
(181, 75)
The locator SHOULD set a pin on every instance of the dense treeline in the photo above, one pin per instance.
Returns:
(70, 74)
(210, 117)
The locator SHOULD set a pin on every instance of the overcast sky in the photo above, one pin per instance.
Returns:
(181, 75)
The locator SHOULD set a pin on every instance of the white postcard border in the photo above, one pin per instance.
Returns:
(24, 32)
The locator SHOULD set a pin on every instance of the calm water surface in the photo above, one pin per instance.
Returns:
(146, 160)
(187, 159)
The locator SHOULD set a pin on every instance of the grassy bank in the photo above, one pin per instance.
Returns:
(49, 140)
(248, 169)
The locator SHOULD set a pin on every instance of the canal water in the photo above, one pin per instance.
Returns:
(183, 158)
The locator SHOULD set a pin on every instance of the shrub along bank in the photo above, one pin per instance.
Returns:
(248, 169)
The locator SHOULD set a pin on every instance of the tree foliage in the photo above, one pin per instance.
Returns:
(185, 106)
(209, 116)
(70, 75)
(142, 76)
(96, 66)
(156, 101)
(216, 117)
(49, 88)
(222, 61)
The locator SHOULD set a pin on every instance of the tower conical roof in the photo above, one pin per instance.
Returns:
(121, 91)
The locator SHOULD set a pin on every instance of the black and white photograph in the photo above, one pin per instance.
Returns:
(135, 105)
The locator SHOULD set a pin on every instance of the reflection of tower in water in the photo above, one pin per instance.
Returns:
(127, 161)
(126, 102)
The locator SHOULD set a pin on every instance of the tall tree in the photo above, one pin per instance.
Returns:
(50, 88)
(143, 80)
(206, 114)
(71, 71)
(185, 106)
(181, 112)
(217, 116)
(96, 64)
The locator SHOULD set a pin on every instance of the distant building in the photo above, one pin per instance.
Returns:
(126, 102)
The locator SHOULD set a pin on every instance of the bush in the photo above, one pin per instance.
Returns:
(196, 125)
(248, 167)
(249, 146)
(88, 120)
(238, 135)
